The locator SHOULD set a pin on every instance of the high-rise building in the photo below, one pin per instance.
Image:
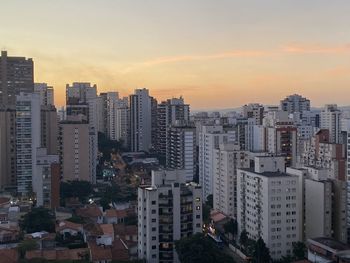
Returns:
(49, 129)
(168, 113)
(181, 148)
(227, 158)
(281, 136)
(323, 200)
(80, 100)
(140, 120)
(268, 205)
(117, 117)
(254, 111)
(295, 103)
(28, 139)
(319, 152)
(46, 93)
(16, 76)
(7, 148)
(168, 210)
(46, 179)
(330, 120)
(210, 137)
(78, 150)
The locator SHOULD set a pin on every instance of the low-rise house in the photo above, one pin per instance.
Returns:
(44, 239)
(67, 227)
(128, 234)
(63, 213)
(92, 231)
(9, 234)
(91, 213)
(115, 216)
(104, 254)
(107, 237)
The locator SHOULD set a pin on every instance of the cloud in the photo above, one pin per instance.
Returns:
(189, 58)
(316, 49)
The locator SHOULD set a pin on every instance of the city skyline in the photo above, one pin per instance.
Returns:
(216, 54)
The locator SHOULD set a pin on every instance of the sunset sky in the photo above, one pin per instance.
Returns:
(216, 53)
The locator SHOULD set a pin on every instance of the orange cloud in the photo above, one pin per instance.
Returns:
(316, 48)
(189, 58)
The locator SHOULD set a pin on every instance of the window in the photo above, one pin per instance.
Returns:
(154, 211)
(153, 202)
(154, 238)
(198, 207)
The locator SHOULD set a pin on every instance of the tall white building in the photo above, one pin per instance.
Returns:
(330, 120)
(27, 139)
(295, 103)
(117, 117)
(210, 137)
(46, 93)
(141, 120)
(226, 161)
(181, 149)
(168, 112)
(268, 205)
(254, 111)
(168, 210)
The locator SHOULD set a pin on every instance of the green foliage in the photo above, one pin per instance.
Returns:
(76, 219)
(117, 193)
(199, 249)
(210, 201)
(26, 245)
(243, 238)
(39, 219)
(77, 189)
(261, 252)
(299, 250)
(106, 147)
(231, 227)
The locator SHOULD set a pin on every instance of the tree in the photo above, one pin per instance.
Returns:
(77, 189)
(199, 249)
(39, 219)
(210, 201)
(243, 238)
(231, 227)
(261, 252)
(299, 250)
(26, 245)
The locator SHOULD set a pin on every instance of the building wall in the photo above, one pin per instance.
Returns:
(75, 151)
(7, 149)
(318, 208)
(27, 139)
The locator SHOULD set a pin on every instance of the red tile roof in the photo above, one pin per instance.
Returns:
(116, 213)
(8, 255)
(58, 254)
(67, 224)
(89, 212)
(99, 253)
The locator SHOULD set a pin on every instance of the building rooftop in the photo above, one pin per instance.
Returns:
(328, 243)
(267, 174)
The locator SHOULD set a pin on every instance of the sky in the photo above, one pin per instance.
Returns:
(215, 53)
